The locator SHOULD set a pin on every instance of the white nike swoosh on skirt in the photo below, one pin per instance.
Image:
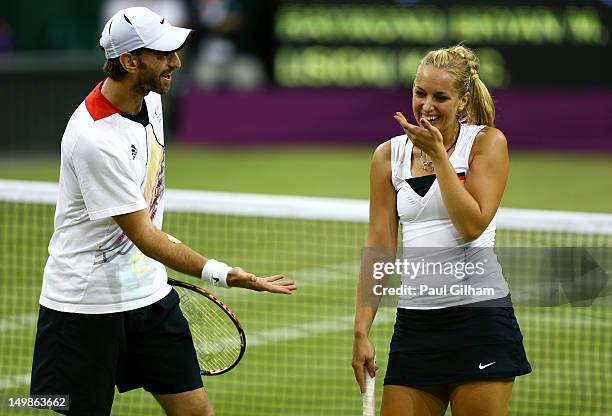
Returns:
(482, 367)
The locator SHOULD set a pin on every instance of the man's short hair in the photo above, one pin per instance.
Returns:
(114, 70)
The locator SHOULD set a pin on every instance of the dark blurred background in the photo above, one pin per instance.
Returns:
(265, 72)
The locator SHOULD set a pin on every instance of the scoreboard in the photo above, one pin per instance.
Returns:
(380, 43)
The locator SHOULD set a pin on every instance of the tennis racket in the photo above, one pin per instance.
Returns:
(369, 398)
(218, 338)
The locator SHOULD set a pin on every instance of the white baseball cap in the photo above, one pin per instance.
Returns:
(138, 27)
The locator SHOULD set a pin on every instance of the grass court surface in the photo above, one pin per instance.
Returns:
(299, 347)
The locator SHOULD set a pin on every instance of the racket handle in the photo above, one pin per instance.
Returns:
(368, 398)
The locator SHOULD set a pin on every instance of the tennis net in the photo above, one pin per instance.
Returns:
(299, 347)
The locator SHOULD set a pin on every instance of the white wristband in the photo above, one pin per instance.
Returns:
(216, 272)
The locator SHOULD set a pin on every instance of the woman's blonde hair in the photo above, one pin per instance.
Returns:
(462, 64)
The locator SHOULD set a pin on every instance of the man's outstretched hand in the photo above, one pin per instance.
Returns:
(237, 277)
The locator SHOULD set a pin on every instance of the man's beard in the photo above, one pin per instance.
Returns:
(148, 80)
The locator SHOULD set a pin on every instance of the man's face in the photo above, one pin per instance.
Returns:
(155, 71)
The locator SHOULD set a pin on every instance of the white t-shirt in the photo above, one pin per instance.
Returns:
(111, 164)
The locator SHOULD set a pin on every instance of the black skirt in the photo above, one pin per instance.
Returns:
(464, 343)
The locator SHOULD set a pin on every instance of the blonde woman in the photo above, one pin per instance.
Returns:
(443, 181)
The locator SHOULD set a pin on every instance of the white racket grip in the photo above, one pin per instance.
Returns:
(368, 398)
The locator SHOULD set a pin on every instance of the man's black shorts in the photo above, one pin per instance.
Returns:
(85, 355)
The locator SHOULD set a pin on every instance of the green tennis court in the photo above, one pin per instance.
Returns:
(299, 347)
(537, 180)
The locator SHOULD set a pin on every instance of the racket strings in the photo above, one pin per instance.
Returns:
(216, 339)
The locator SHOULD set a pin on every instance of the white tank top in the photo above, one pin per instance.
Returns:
(425, 224)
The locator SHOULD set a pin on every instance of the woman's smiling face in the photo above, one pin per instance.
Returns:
(435, 98)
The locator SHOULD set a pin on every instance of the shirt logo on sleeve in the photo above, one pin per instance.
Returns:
(134, 152)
